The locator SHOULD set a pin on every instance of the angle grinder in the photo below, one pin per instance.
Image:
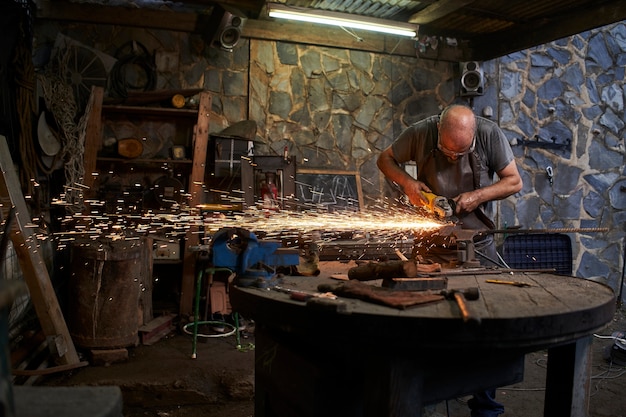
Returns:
(442, 206)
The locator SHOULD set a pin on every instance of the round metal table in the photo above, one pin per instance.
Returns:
(350, 357)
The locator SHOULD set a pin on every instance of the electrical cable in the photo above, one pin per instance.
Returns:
(502, 260)
(618, 339)
(137, 56)
(352, 33)
(493, 261)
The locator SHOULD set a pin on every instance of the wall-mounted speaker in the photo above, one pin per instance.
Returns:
(472, 79)
(224, 28)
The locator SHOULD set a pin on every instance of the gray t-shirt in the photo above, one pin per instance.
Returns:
(417, 141)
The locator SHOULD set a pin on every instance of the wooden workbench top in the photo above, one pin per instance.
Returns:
(552, 309)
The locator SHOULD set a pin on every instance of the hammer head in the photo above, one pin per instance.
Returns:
(470, 293)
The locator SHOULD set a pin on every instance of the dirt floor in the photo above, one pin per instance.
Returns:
(163, 380)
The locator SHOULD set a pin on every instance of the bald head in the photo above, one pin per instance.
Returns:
(457, 127)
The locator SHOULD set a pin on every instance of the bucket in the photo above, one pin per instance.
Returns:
(105, 292)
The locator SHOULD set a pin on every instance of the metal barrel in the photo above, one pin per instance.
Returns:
(104, 292)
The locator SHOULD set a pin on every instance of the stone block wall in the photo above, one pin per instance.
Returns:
(337, 109)
(567, 98)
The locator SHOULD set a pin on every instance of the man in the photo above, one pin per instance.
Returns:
(457, 154)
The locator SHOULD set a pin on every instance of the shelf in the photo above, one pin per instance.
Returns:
(144, 161)
(193, 124)
(150, 111)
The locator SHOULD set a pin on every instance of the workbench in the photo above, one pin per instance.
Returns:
(354, 358)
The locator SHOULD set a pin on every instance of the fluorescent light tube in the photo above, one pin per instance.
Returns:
(325, 17)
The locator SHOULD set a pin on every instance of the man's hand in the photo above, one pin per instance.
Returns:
(413, 190)
(510, 182)
(467, 202)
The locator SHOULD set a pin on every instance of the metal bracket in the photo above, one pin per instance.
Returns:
(539, 142)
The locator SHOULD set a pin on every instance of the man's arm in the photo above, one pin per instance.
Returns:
(509, 183)
(389, 166)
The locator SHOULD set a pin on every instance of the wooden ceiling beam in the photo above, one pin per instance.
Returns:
(284, 31)
(488, 47)
(329, 36)
(118, 15)
(438, 10)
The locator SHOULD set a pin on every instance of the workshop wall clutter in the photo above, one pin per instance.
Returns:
(337, 109)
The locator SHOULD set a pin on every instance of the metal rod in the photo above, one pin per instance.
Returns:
(556, 230)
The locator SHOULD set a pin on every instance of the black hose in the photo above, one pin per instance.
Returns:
(137, 56)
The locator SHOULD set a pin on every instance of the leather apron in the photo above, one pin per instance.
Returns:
(449, 179)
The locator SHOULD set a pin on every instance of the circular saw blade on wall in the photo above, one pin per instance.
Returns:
(82, 67)
(84, 71)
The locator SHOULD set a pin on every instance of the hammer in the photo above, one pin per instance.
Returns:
(460, 296)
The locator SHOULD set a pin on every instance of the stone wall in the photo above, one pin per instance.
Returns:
(568, 93)
(337, 109)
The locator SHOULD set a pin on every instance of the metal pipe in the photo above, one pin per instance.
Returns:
(536, 231)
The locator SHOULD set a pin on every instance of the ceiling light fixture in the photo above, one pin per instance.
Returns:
(325, 17)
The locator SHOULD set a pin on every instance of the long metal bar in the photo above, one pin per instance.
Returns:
(555, 230)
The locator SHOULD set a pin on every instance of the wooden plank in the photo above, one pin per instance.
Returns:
(437, 10)
(122, 16)
(33, 266)
(93, 135)
(331, 36)
(200, 144)
(196, 190)
(300, 32)
(152, 332)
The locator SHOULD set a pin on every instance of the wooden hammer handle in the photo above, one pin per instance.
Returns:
(465, 313)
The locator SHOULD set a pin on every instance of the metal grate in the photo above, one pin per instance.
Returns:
(539, 251)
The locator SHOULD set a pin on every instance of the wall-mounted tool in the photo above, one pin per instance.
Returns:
(553, 143)
(550, 174)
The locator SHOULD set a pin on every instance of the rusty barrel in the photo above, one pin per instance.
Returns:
(105, 286)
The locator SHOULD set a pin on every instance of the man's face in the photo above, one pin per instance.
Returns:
(455, 146)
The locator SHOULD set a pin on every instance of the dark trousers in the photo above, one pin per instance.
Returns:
(484, 404)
